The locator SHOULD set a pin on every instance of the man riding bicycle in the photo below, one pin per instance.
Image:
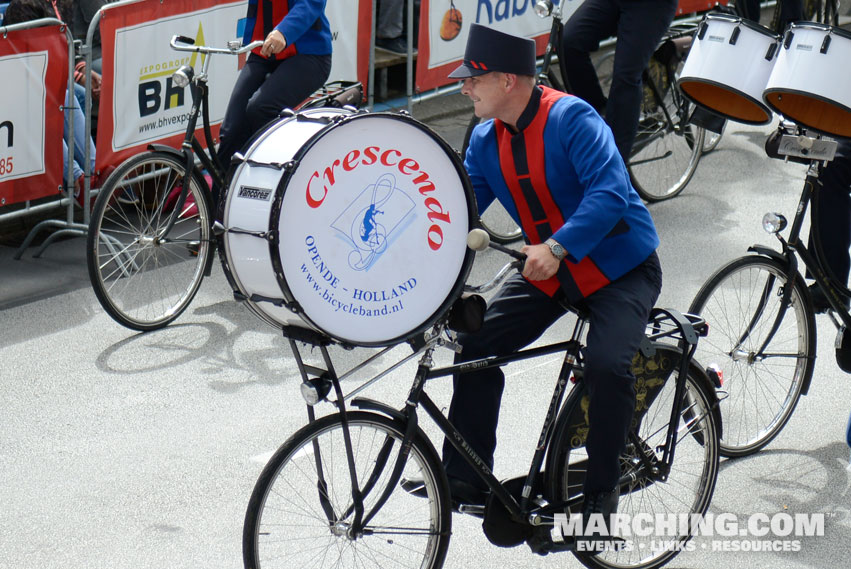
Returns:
(553, 164)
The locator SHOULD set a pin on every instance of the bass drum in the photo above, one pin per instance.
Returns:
(247, 206)
(367, 233)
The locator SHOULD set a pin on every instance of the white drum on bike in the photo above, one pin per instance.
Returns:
(361, 236)
(811, 82)
(728, 67)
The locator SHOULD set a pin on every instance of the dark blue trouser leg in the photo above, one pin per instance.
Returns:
(516, 317)
(638, 25)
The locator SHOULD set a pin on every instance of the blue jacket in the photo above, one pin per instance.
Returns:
(561, 176)
(302, 23)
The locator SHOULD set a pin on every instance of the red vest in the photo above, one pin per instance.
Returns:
(521, 158)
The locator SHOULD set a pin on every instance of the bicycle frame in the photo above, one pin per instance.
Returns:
(684, 331)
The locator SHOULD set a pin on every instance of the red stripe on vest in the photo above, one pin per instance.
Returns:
(279, 12)
(587, 276)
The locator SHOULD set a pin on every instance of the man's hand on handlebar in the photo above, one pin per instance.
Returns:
(274, 43)
(541, 264)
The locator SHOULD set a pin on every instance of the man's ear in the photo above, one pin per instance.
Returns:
(509, 81)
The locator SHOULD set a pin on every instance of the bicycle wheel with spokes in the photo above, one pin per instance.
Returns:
(143, 278)
(740, 302)
(666, 149)
(301, 510)
(646, 492)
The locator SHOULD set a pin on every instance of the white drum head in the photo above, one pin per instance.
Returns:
(372, 233)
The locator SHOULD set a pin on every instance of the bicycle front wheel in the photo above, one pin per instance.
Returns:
(143, 278)
(741, 302)
(301, 511)
(685, 491)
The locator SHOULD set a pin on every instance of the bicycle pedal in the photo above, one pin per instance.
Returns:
(471, 510)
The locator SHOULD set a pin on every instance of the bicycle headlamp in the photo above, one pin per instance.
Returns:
(315, 389)
(773, 222)
(183, 76)
(543, 8)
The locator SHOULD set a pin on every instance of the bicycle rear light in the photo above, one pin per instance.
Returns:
(773, 222)
(543, 8)
(183, 76)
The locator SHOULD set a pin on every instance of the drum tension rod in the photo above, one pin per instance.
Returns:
(273, 165)
(270, 236)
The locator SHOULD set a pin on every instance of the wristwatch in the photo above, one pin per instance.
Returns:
(556, 249)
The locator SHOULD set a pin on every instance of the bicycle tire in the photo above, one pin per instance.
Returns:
(689, 486)
(712, 139)
(495, 219)
(762, 393)
(141, 282)
(658, 142)
(287, 521)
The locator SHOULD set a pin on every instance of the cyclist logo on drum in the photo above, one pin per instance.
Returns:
(373, 220)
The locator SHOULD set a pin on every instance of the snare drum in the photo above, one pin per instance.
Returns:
(360, 234)
(728, 66)
(811, 82)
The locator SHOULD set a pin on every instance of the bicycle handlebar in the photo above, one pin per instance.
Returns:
(479, 240)
(183, 43)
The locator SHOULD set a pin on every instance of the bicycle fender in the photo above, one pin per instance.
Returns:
(165, 148)
(770, 253)
(373, 405)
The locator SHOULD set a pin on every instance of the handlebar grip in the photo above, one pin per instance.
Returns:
(184, 39)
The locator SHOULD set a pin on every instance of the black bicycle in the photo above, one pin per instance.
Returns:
(667, 148)
(763, 323)
(150, 240)
(331, 494)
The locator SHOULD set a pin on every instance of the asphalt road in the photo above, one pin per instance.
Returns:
(121, 450)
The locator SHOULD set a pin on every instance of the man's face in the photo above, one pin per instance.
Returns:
(487, 93)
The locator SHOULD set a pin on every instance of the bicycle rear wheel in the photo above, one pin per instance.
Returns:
(144, 280)
(666, 149)
(687, 490)
(741, 302)
(301, 509)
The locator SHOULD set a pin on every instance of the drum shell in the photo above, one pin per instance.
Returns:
(810, 87)
(247, 208)
(729, 78)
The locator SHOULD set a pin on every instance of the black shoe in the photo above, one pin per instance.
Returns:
(399, 45)
(603, 504)
(819, 298)
(461, 492)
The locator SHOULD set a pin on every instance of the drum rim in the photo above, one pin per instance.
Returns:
(811, 96)
(763, 105)
(469, 254)
(739, 20)
(222, 244)
(820, 27)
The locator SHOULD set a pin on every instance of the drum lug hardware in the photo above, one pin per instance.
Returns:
(772, 49)
(239, 297)
(825, 44)
(735, 35)
(701, 31)
(787, 41)
(218, 229)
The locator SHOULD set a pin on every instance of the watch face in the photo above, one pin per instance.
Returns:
(557, 249)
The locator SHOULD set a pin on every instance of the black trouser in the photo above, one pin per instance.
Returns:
(516, 317)
(832, 219)
(638, 26)
(263, 89)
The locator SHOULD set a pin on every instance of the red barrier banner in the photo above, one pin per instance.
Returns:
(444, 25)
(140, 105)
(34, 68)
